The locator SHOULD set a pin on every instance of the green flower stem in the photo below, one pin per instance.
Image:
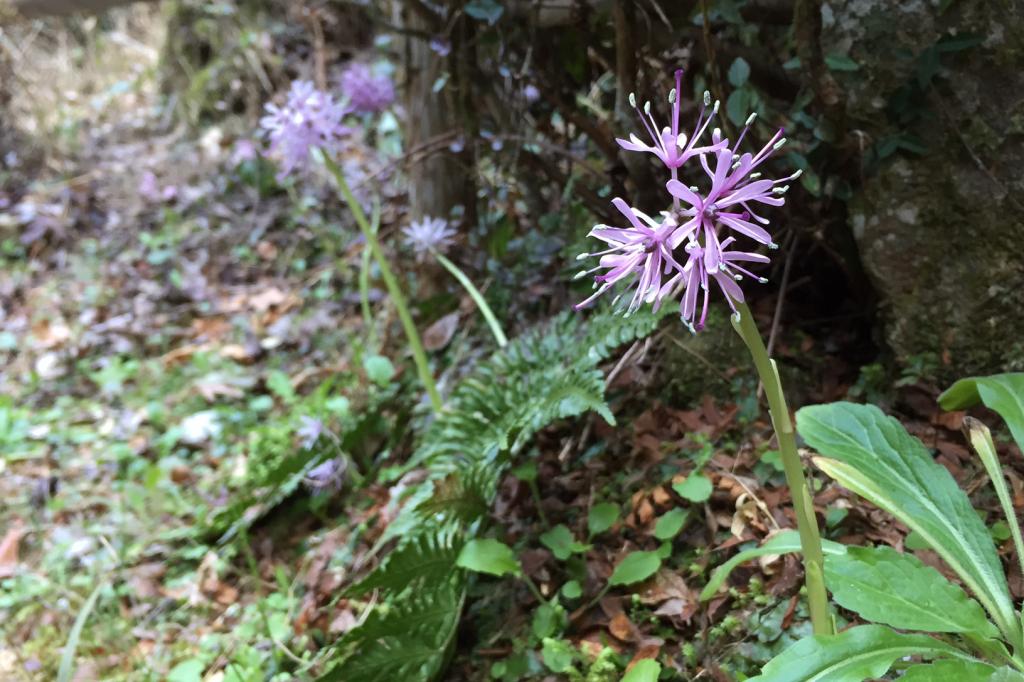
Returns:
(364, 282)
(477, 297)
(807, 524)
(394, 291)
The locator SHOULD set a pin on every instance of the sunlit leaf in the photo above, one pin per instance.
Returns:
(860, 653)
(883, 586)
(873, 455)
(487, 555)
(634, 568)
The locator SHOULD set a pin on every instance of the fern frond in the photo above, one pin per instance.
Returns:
(408, 640)
(428, 559)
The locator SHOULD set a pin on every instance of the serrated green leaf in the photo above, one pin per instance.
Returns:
(1003, 393)
(634, 568)
(883, 586)
(784, 542)
(670, 523)
(860, 653)
(601, 517)
(696, 488)
(548, 620)
(949, 670)
(875, 457)
(487, 555)
(644, 670)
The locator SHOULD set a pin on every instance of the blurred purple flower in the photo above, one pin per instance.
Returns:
(150, 189)
(244, 150)
(531, 93)
(367, 92)
(428, 234)
(329, 475)
(309, 118)
(440, 46)
(670, 146)
(640, 254)
(309, 431)
(457, 145)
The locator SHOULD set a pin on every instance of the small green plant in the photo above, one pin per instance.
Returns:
(917, 620)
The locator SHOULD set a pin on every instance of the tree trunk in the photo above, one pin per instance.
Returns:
(436, 177)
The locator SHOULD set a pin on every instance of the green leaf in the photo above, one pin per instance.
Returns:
(645, 670)
(379, 369)
(670, 523)
(696, 488)
(739, 72)
(737, 106)
(883, 586)
(860, 653)
(548, 620)
(572, 589)
(488, 555)
(280, 385)
(526, 472)
(949, 669)
(841, 62)
(484, 10)
(558, 655)
(634, 568)
(187, 671)
(1006, 674)
(876, 458)
(602, 517)
(784, 542)
(561, 542)
(1003, 393)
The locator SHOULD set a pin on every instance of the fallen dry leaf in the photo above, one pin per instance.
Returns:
(9, 549)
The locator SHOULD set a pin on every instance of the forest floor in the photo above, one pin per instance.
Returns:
(165, 323)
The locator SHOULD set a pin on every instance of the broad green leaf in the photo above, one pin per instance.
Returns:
(635, 567)
(739, 72)
(860, 653)
(561, 542)
(487, 555)
(557, 654)
(875, 457)
(841, 62)
(572, 589)
(1003, 393)
(948, 670)
(785, 542)
(696, 488)
(379, 369)
(602, 517)
(669, 525)
(883, 586)
(548, 620)
(645, 670)
(1006, 674)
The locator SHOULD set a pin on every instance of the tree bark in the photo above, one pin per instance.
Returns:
(435, 175)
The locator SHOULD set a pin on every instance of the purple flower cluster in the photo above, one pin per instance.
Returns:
(679, 254)
(367, 92)
(309, 118)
